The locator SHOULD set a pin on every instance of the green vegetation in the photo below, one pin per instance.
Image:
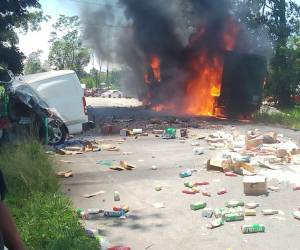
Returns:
(67, 50)
(289, 117)
(44, 217)
(95, 79)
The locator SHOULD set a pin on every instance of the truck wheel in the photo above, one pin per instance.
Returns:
(57, 133)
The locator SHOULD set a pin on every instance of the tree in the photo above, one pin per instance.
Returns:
(67, 50)
(33, 63)
(16, 15)
(281, 20)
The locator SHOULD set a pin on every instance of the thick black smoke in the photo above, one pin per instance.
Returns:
(175, 31)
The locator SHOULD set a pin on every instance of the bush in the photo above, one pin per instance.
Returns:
(288, 117)
(47, 221)
(28, 169)
(43, 216)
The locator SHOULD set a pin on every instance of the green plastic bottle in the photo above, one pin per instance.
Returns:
(254, 228)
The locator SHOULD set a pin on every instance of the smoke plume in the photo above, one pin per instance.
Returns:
(173, 50)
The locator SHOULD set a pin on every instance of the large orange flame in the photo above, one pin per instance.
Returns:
(204, 87)
(204, 84)
(155, 65)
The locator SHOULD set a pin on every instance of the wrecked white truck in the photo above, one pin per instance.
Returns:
(46, 106)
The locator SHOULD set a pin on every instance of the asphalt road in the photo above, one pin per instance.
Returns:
(175, 226)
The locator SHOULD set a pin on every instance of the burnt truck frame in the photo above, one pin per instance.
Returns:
(26, 115)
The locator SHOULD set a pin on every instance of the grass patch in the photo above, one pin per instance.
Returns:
(287, 117)
(44, 216)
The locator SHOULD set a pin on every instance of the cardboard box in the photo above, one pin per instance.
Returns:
(218, 164)
(255, 185)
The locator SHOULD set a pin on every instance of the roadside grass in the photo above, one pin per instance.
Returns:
(287, 117)
(43, 215)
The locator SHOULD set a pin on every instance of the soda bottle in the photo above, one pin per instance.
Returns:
(198, 205)
(234, 217)
(120, 208)
(251, 205)
(219, 212)
(234, 203)
(206, 193)
(87, 216)
(216, 223)
(186, 173)
(269, 211)
(222, 191)
(114, 214)
(201, 183)
(189, 184)
(254, 228)
(207, 212)
(116, 196)
(250, 212)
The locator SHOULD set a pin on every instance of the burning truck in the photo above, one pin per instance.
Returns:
(192, 57)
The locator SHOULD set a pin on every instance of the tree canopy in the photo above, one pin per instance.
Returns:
(67, 50)
(17, 14)
(33, 63)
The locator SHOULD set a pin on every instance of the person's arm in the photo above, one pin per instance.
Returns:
(8, 229)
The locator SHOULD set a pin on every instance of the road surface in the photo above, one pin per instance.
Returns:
(175, 226)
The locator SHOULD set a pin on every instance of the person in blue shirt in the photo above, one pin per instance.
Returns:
(9, 235)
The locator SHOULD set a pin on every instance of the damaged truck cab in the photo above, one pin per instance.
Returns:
(24, 114)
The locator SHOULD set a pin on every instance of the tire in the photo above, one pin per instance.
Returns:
(57, 133)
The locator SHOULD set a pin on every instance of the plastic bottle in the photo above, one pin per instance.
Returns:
(269, 212)
(116, 196)
(234, 217)
(254, 228)
(198, 205)
(186, 173)
(234, 203)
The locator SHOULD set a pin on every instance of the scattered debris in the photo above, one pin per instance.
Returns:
(198, 205)
(65, 174)
(93, 194)
(273, 188)
(251, 205)
(116, 196)
(234, 217)
(126, 165)
(296, 215)
(254, 228)
(255, 185)
(207, 212)
(250, 212)
(158, 205)
(64, 161)
(114, 213)
(198, 151)
(233, 203)
(154, 167)
(123, 207)
(269, 211)
(185, 173)
(158, 188)
(222, 191)
(169, 133)
(216, 223)
(206, 193)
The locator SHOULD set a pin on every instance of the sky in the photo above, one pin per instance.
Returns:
(33, 41)
(38, 40)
